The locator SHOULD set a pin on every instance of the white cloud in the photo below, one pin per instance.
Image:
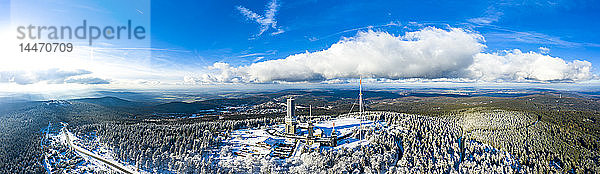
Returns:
(267, 21)
(370, 27)
(50, 76)
(259, 58)
(271, 52)
(87, 80)
(491, 15)
(221, 73)
(544, 50)
(507, 35)
(517, 66)
(430, 53)
(483, 20)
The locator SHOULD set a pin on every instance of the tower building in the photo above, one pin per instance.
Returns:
(290, 118)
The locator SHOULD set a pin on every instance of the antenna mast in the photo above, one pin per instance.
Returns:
(360, 105)
(360, 99)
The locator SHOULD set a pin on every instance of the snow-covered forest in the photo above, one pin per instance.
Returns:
(408, 144)
(530, 134)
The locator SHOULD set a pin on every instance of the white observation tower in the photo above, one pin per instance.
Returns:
(290, 118)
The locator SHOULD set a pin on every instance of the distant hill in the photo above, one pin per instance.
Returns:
(183, 107)
(111, 102)
(193, 107)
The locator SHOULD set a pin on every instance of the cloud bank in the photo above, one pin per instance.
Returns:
(517, 66)
(50, 76)
(430, 53)
(87, 80)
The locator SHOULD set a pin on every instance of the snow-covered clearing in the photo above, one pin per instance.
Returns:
(97, 159)
(257, 142)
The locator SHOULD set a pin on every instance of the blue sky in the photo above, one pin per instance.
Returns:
(218, 32)
(195, 43)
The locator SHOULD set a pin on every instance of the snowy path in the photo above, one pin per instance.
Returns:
(113, 164)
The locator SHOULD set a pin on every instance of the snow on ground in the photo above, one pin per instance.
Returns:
(60, 158)
(93, 164)
(343, 125)
(244, 142)
(351, 143)
(91, 156)
(108, 154)
(254, 141)
(250, 141)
